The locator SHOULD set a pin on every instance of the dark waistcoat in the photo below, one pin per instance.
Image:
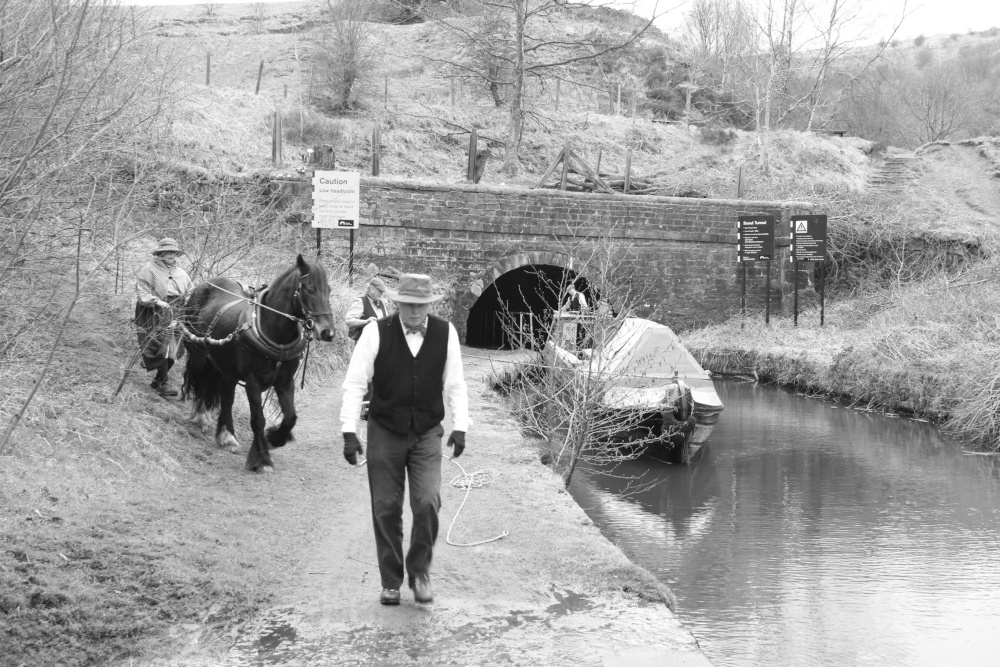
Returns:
(368, 310)
(408, 391)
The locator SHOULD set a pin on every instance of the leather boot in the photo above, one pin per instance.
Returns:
(160, 383)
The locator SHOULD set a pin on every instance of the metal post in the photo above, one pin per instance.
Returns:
(350, 260)
(795, 288)
(822, 293)
(767, 295)
(743, 295)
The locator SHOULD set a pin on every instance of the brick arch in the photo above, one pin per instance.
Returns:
(465, 301)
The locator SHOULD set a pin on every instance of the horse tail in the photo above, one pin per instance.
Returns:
(201, 380)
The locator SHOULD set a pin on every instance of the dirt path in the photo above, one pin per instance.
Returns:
(552, 592)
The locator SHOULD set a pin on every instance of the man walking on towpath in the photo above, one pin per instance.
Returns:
(414, 363)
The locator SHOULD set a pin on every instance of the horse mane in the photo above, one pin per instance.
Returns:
(285, 273)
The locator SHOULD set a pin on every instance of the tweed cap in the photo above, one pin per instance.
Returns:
(377, 283)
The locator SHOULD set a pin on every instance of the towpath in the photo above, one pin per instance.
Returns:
(554, 591)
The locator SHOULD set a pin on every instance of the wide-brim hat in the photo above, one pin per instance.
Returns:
(414, 288)
(167, 245)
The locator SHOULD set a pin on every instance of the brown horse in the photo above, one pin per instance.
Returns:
(233, 338)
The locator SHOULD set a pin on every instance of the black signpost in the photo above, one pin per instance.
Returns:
(755, 243)
(808, 236)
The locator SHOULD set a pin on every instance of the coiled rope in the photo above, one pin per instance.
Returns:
(468, 482)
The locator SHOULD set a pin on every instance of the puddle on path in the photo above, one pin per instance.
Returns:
(572, 631)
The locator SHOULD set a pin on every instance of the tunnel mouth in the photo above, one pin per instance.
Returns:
(515, 311)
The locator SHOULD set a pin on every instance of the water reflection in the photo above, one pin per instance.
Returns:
(811, 534)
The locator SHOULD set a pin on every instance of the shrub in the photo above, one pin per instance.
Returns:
(306, 127)
(919, 40)
(716, 135)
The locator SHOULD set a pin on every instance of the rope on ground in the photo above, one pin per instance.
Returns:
(468, 482)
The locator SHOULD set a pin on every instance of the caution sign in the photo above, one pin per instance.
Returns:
(755, 238)
(809, 238)
(336, 200)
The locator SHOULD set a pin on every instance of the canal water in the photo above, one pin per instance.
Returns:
(813, 534)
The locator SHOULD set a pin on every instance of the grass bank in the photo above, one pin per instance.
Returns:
(930, 349)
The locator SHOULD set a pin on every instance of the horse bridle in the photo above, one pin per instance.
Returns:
(307, 315)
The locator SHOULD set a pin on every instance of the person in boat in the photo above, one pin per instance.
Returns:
(413, 362)
(575, 303)
(367, 308)
(161, 287)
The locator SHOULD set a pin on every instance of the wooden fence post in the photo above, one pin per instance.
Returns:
(628, 170)
(276, 140)
(452, 80)
(309, 90)
(739, 182)
(385, 95)
(376, 148)
(557, 94)
(565, 166)
(260, 72)
(597, 167)
(208, 68)
(471, 171)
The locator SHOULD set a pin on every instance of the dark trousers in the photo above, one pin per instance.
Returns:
(394, 459)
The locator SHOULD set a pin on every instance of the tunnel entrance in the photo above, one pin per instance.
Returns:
(516, 310)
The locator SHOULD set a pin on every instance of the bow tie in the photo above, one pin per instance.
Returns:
(419, 329)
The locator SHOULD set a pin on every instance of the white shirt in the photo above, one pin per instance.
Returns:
(362, 368)
(357, 308)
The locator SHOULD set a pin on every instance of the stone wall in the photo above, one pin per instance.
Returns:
(683, 249)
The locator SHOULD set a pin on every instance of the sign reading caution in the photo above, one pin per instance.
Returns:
(336, 200)
(809, 238)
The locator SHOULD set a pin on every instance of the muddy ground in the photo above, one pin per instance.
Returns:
(552, 591)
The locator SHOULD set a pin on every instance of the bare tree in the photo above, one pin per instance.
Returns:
(515, 41)
(79, 98)
(347, 48)
(258, 10)
(575, 403)
(942, 100)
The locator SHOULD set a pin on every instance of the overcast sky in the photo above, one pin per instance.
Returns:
(923, 17)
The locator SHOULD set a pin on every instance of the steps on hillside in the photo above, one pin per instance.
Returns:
(895, 173)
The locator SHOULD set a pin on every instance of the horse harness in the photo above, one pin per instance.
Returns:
(250, 334)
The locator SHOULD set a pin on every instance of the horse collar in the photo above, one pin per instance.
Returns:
(257, 340)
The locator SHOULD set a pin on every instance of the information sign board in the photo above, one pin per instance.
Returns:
(808, 238)
(755, 238)
(336, 200)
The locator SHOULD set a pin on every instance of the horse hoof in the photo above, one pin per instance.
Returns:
(227, 441)
(267, 470)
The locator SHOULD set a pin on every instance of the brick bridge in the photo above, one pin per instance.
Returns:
(682, 250)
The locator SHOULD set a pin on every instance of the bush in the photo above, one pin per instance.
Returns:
(919, 40)
(715, 135)
(305, 126)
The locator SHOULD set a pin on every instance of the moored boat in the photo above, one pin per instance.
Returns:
(663, 395)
